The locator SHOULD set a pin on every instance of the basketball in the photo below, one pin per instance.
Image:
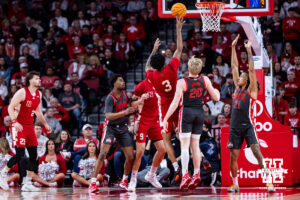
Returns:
(178, 10)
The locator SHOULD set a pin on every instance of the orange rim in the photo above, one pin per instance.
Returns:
(215, 7)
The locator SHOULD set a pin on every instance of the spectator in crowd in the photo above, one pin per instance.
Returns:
(183, 64)
(86, 37)
(27, 28)
(42, 140)
(280, 105)
(168, 55)
(33, 47)
(67, 39)
(215, 107)
(122, 48)
(288, 52)
(57, 88)
(290, 27)
(291, 86)
(22, 74)
(217, 77)
(278, 74)
(274, 29)
(78, 66)
(80, 88)
(5, 69)
(71, 102)
(76, 49)
(87, 165)
(9, 47)
(243, 61)
(47, 80)
(135, 6)
(64, 145)
(58, 50)
(227, 89)
(223, 32)
(81, 18)
(51, 168)
(5, 128)
(109, 38)
(226, 110)
(53, 123)
(272, 55)
(208, 118)
(47, 96)
(284, 11)
(60, 113)
(80, 144)
(110, 64)
(5, 154)
(134, 32)
(219, 47)
(3, 88)
(293, 117)
(221, 66)
(55, 28)
(62, 22)
(95, 69)
(297, 67)
(221, 119)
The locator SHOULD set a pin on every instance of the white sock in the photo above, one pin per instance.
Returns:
(185, 157)
(125, 177)
(196, 171)
(94, 180)
(235, 181)
(175, 165)
(153, 170)
(134, 175)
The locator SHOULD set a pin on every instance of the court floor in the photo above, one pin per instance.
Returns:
(210, 193)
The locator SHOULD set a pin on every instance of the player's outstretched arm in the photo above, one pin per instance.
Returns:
(139, 100)
(15, 102)
(214, 93)
(179, 24)
(154, 50)
(180, 87)
(234, 62)
(253, 82)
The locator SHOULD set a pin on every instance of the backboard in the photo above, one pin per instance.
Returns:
(232, 8)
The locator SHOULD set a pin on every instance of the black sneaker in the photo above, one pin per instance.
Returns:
(206, 164)
(177, 178)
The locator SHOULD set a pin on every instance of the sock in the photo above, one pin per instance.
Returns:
(134, 175)
(175, 165)
(93, 180)
(235, 181)
(196, 171)
(269, 178)
(125, 177)
(185, 157)
(153, 170)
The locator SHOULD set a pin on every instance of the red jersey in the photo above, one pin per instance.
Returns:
(148, 113)
(292, 120)
(290, 88)
(29, 105)
(164, 81)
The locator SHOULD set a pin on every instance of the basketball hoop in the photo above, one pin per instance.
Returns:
(211, 13)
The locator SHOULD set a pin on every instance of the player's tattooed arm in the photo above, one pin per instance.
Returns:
(234, 62)
(154, 50)
(252, 76)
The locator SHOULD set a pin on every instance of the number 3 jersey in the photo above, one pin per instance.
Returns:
(25, 116)
(164, 81)
(242, 109)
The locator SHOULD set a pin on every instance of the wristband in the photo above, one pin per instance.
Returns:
(14, 121)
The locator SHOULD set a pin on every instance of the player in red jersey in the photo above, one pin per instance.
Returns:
(147, 123)
(164, 79)
(27, 102)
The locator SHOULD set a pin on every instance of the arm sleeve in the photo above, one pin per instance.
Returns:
(109, 104)
(174, 64)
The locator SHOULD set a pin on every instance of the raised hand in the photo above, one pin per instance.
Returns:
(234, 42)
(248, 45)
(179, 23)
(156, 45)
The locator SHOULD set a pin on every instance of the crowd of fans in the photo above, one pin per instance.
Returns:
(76, 45)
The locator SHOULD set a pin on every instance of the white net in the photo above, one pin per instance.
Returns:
(211, 13)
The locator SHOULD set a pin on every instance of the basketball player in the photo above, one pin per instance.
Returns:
(241, 122)
(27, 102)
(191, 117)
(147, 123)
(116, 112)
(164, 79)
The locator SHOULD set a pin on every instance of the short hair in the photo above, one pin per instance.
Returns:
(29, 76)
(114, 78)
(281, 88)
(292, 105)
(38, 124)
(195, 65)
(157, 61)
(229, 75)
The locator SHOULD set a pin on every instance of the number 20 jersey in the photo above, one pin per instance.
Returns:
(195, 89)
(165, 80)
(242, 109)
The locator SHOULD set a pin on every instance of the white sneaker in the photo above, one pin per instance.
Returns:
(3, 181)
(76, 184)
(151, 178)
(132, 186)
(28, 187)
(271, 188)
(37, 184)
(54, 184)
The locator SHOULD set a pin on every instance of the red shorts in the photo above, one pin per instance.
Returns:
(25, 138)
(153, 131)
(173, 120)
